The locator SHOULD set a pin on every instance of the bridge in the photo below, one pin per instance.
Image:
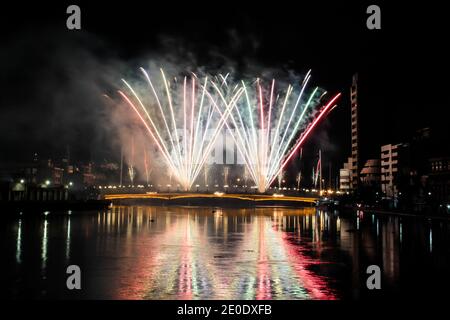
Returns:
(217, 198)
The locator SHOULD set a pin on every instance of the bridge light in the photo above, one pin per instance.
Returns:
(278, 195)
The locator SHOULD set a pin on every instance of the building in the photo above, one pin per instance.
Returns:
(21, 191)
(355, 138)
(371, 174)
(345, 177)
(389, 170)
(349, 174)
(369, 186)
(439, 180)
(416, 175)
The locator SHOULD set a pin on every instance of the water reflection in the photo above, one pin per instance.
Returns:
(19, 243)
(431, 239)
(68, 238)
(204, 253)
(187, 253)
(44, 246)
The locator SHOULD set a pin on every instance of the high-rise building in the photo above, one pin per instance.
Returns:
(349, 175)
(355, 138)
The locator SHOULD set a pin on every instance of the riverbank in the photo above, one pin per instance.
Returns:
(419, 215)
(59, 205)
(395, 213)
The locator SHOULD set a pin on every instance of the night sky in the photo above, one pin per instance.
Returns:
(45, 69)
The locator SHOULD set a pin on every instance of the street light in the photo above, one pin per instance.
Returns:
(47, 182)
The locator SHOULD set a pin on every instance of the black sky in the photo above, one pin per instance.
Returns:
(405, 65)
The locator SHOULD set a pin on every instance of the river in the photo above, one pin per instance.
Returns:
(152, 252)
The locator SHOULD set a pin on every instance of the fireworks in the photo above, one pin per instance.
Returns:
(265, 126)
(184, 141)
(185, 118)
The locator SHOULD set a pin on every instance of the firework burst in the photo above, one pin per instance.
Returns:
(186, 140)
(185, 118)
(269, 128)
